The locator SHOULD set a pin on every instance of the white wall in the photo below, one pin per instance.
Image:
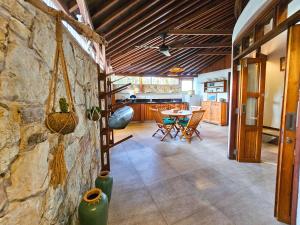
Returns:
(216, 75)
(274, 87)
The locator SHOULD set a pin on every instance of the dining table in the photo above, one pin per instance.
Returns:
(176, 113)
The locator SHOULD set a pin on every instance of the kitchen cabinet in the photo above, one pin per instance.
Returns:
(216, 112)
(142, 111)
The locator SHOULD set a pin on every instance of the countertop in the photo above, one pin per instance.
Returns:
(152, 101)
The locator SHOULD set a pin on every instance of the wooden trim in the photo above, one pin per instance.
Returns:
(233, 115)
(296, 172)
(258, 16)
(271, 128)
(276, 31)
(286, 157)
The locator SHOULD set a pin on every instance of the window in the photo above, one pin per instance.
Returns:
(83, 42)
(187, 85)
(145, 80)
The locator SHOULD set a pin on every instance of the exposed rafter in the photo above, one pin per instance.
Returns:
(199, 32)
(182, 75)
(215, 53)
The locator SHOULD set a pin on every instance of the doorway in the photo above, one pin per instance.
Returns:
(256, 108)
(275, 50)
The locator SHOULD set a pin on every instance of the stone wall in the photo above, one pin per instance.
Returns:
(27, 46)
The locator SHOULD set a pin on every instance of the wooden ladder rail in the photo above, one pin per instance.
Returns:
(105, 93)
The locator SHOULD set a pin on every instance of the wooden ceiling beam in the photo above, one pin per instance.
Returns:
(196, 62)
(82, 5)
(215, 53)
(131, 18)
(117, 14)
(188, 57)
(145, 38)
(196, 14)
(199, 32)
(167, 62)
(158, 57)
(103, 8)
(203, 45)
(152, 75)
(145, 62)
(62, 6)
(141, 52)
(144, 21)
(181, 63)
(152, 25)
(73, 8)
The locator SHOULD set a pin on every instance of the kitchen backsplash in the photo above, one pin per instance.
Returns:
(151, 91)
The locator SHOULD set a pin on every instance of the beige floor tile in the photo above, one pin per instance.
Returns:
(173, 182)
(130, 204)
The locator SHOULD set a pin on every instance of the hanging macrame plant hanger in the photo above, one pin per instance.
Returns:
(60, 123)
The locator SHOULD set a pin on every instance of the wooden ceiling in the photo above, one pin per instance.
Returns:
(127, 24)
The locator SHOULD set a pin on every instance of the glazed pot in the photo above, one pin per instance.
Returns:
(93, 209)
(121, 118)
(105, 182)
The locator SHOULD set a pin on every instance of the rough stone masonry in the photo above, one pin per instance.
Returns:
(27, 46)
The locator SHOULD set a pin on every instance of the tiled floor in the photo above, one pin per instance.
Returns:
(173, 182)
(269, 153)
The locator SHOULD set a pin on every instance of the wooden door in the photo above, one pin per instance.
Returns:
(251, 103)
(285, 166)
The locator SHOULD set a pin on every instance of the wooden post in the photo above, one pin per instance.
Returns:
(285, 166)
(232, 116)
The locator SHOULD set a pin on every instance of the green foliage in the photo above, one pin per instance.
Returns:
(95, 109)
(63, 105)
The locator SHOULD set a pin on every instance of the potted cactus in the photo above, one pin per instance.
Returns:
(63, 122)
(94, 113)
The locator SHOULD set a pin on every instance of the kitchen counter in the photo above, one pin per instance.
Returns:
(151, 101)
(142, 110)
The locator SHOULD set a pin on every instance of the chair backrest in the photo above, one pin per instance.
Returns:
(157, 116)
(195, 108)
(195, 119)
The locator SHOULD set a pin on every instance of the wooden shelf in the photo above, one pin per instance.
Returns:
(208, 86)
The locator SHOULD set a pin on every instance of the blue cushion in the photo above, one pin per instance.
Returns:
(168, 121)
(183, 123)
(185, 119)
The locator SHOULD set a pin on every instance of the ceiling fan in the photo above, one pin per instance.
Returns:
(182, 44)
(164, 49)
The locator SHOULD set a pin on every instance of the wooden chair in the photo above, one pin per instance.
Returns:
(165, 126)
(190, 127)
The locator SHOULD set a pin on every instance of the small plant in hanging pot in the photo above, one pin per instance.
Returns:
(63, 122)
(94, 113)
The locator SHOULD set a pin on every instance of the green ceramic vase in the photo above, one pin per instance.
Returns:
(93, 209)
(105, 182)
